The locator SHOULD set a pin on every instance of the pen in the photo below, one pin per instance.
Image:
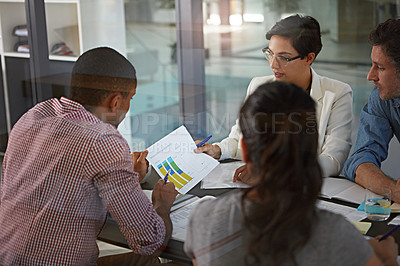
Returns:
(204, 141)
(389, 233)
(166, 176)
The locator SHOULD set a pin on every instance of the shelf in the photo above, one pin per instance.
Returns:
(46, 1)
(51, 57)
(15, 54)
(62, 1)
(63, 58)
(12, 1)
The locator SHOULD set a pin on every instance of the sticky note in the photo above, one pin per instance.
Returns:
(363, 227)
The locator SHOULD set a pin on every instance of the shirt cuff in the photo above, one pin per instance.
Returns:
(350, 170)
(224, 154)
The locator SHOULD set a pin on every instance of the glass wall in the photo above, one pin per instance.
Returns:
(234, 41)
(142, 30)
(233, 32)
(151, 47)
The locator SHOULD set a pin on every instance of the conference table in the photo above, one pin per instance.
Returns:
(174, 250)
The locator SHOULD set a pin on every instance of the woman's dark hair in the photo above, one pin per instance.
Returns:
(280, 132)
(387, 35)
(304, 33)
(99, 72)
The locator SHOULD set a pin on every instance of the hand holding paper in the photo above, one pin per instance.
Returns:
(174, 153)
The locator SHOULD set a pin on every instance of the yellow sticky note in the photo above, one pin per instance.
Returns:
(363, 227)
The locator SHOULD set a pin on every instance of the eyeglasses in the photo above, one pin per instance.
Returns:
(282, 60)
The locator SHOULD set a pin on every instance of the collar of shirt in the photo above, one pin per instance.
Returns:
(69, 106)
(396, 102)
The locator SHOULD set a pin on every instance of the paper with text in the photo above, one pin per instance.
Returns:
(175, 152)
(180, 218)
(343, 189)
(222, 177)
(351, 214)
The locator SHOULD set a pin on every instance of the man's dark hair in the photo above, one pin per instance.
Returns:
(99, 72)
(304, 32)
(387, 35)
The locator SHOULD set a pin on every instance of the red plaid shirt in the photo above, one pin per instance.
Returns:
(62, 171)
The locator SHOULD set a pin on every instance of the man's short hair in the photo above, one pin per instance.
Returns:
(387, 35)
(304, 31)
(99, 72)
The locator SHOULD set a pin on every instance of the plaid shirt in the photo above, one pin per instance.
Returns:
(62, 171)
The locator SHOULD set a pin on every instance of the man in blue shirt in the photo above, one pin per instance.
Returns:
(380, 117)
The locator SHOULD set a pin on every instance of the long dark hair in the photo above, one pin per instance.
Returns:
(280, 132)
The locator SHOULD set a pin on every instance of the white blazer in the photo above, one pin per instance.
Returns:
(334, 118)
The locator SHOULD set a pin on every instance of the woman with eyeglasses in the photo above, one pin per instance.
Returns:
(276, 221)
(294, 43)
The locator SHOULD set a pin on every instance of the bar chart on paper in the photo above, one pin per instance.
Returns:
(175, 153)
(177, 176)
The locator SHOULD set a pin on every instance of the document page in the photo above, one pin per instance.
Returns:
(395, 220)
(180, 218)
(343, 189)
(175, 152)
(222, 177)
(349, 213)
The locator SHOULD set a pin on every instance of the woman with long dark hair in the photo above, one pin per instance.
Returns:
(276, 221)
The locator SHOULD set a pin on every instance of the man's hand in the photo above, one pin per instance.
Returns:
(385, 250)
(140, 164)
(164, 195)
(212, 150)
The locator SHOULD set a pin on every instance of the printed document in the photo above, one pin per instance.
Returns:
(222, 177)
(343, 189)
(351, 214)
(175, 152)
(180, 217)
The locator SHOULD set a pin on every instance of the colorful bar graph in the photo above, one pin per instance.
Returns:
(188, 178)
(177, 176)
(178, 170)
(162, 169)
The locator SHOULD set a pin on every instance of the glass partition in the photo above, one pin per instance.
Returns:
(234, 40)
(145, 31)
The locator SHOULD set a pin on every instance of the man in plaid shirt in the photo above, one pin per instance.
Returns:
(66, 165)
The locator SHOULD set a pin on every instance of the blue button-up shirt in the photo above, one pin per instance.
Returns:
(379, 120)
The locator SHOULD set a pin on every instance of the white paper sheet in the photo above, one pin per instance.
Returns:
(175, 152)
(180, 218)
(222, 176)
(395, 221)
(349, 213)
(342, 189)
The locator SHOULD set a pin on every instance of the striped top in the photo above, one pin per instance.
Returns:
(63, 169)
